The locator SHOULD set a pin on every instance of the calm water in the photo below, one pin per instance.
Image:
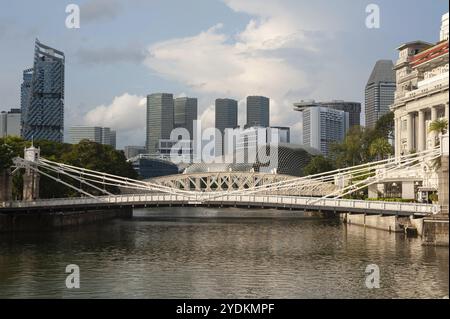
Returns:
(213, 253)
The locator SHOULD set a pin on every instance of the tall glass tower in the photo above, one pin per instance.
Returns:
(257, 111)
(185, 113)
(160, 118)
(226, 117)
(42, 95)
(380, 90)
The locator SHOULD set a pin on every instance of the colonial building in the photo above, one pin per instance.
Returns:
(421, 97)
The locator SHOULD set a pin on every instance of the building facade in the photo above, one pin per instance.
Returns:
(323, 126)
(97, 134)
(10, 123)
(42, 95)
(379, 92)
(133, 151)
(185, 113)
(226, 116)
(352, 108)
(160, 119)
(258, 111)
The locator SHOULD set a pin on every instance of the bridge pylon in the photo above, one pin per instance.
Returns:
(31, 177)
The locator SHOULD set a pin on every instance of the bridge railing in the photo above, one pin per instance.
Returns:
(205, 198)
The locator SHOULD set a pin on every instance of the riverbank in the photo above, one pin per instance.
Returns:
(44, 221)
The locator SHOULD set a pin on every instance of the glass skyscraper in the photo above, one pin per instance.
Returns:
(160, 119)
(185, 113)
(257, 111)
(42, 95)
(226, 117)
(379, 93)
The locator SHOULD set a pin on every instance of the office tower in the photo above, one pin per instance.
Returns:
(352, 108)
(323, 126)
(42, 95)
(282, 135)
(10, 123)
(379, 92)
(226, 118)
(185, 112)
(100, 135)
(160, 118)
(133, 151)
(258, 111)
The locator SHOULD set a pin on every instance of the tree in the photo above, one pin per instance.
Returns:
(380, 148)
(318, 164)
(385, 126)
(439, 127)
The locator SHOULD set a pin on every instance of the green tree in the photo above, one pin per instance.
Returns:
(380, 148)
(439, 127)
(385, 126)
(318, 164)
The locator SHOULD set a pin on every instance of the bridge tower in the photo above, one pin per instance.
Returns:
(5, 185)
(31, 178)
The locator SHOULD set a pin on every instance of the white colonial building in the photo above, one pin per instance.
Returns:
(421, 97)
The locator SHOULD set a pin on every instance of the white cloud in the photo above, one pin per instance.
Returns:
(126, 114)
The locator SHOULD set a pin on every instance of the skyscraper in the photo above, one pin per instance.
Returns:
(10, 123)
(160, 119)
(257, 111)
(100, 135)
(226, 117)
(42, 95)
(352, 108)
(323, 126)
(380, 90)
(185, 113)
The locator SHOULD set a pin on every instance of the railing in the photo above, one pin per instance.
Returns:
(283, 201)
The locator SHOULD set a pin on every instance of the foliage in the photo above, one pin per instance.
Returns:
(380, 148)
(86, 154)
(318, 164)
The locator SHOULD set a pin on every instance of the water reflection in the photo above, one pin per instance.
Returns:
(213, 253)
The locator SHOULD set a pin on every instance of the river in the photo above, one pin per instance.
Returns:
(220, 253)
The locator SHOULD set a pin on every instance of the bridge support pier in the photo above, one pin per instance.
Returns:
(5, 185)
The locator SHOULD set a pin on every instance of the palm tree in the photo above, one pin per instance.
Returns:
(439, 127)
(380, 148)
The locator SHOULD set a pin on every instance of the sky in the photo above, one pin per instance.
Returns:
(287, 50)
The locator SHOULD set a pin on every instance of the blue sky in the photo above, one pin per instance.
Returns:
(285, 49)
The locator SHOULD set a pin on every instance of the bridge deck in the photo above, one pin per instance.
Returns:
(285, 202)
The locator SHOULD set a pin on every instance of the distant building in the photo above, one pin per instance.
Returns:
(352, 108)
(258, 111)
(379, 92)
(10, 123)
(133, 151)
(42, 95)
(97, 134)
(148, 167)
(226, 118)
(160, 119)
(323, 126)
(185, 113)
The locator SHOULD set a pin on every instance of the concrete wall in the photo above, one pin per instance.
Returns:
(388, 223)
(443, 185)
(5, 186)
(418, 224)
(53, 220)
(435, 232)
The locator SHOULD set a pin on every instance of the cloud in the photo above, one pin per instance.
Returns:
(95, 10)
(126, 114)
(110, 55)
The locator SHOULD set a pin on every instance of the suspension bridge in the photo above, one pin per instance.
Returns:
(327, 191)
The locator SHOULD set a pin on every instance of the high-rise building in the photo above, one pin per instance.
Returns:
(226, 118)
(323, 126)
(258, 111)
(42, 95)
(379, 92)
(352, 108)
(185, 112)
(100, 135)
(160, 119)
(10, 123)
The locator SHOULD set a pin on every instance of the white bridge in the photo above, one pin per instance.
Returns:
(325, 191)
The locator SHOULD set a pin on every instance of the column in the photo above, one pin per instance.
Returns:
(446, 111)
(397, 138)
(421, 136)
(433, 118)
(410, 132)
